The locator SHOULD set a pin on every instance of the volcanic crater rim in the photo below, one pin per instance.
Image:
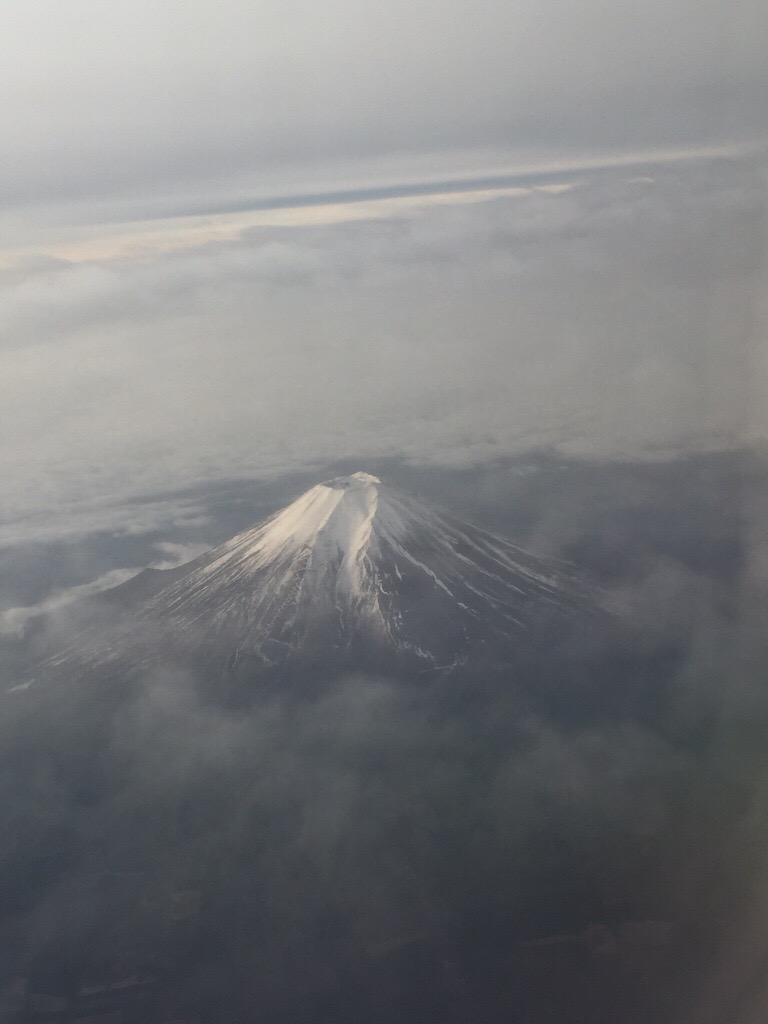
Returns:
(353, 481)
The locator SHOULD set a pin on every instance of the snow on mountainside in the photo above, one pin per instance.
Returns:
(353, 566)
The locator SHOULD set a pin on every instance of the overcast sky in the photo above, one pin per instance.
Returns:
(244, 238)
(131, 101)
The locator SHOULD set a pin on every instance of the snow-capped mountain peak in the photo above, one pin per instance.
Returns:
(339, 523)
(355, 564)
(331, 519)
(353, 568)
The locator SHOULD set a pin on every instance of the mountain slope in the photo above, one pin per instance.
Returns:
(353, 567)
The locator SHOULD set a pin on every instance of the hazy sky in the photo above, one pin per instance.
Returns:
(231, 247)
(134, 101)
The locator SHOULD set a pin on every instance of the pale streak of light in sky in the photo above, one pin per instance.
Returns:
(145, 237)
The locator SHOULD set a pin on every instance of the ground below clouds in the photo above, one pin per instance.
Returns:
(576, 835)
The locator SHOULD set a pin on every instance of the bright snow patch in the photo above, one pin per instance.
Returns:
(337, 521)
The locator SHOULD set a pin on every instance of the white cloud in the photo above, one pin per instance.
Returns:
(616, 318)
(14, 621)
(176, 554)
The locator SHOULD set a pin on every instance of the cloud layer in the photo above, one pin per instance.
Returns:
(580, 835)
(617, 316)
(140, 100)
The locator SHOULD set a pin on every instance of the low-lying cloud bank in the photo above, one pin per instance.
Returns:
(580, 835)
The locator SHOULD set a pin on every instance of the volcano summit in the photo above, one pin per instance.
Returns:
(352, 569)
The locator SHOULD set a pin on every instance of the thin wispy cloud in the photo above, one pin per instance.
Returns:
(14, 621)
(140, 102)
